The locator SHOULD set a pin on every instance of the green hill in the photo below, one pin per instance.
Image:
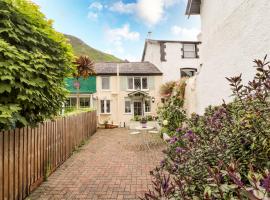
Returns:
(81, 48)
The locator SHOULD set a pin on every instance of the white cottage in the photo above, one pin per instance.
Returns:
(234, 32)
(175, 59)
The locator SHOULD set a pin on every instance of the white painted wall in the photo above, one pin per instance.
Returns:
(171, 67)
(234, 33)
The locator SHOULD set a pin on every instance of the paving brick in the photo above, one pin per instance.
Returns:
(112, 165)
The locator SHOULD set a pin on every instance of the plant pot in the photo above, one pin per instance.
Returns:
(144, 125)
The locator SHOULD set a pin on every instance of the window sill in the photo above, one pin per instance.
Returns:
(105, 113)
(105, 90)
(127, 113)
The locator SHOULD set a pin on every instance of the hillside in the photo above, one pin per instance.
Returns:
(81, 48)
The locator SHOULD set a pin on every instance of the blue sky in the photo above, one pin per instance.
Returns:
(120, 27)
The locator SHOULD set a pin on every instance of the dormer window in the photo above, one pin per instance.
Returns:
(189, 50)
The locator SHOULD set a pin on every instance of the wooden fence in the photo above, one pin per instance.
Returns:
(28, 155)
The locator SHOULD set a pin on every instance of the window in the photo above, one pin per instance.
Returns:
(147, 106)
(137, 83)
(105, 83)
(105, 106)
(144, 83)
(84, 102)
(71, 102)
(189, 51)
(127, 106)
(130, 83)
(187, 72)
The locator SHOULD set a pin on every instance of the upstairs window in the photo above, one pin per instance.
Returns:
(105, 106)
(137, 83)
(189, 51)
(105, 83)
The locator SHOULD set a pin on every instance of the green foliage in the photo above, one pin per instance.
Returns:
(80, 48)
(171, 115)
(34, 59)
(215, 156)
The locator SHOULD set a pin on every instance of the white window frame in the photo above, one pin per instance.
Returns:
(150, 106)
(69, 99)
(109, 79)
(133, 78)
(84, 102)
(128, 100)
(105, 106)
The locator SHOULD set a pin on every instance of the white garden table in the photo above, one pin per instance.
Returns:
(144, 131)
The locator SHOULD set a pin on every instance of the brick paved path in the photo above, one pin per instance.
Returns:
(112, 165)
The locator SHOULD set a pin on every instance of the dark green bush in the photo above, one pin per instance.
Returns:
(34, 59)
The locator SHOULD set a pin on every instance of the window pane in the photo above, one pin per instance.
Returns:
(127, 107)
(137, 83)
(189, 47)
(102, 106)
(147, 106)
(144, 83)
(108, 106)
(105, 83)
(190, 54)
(130, 83)
(73, 102)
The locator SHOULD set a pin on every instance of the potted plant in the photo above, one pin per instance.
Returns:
(106, 124)
(144, 122)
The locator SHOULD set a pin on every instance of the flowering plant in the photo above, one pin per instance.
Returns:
(225, 153)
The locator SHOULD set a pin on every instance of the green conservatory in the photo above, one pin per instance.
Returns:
(81, 92)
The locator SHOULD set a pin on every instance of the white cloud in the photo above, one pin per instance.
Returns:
(92, 15)
(185, 33)
(149, 11)
(123, 8)
(96, 6)
(117, 36)
(94, 9)
(123, 33)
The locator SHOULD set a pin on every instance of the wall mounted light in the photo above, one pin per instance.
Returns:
(153, 99)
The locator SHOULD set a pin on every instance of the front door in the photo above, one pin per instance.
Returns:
(137, 108)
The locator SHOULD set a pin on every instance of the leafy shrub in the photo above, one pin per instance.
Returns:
(34, 59)
(225, 153)
(171, 115)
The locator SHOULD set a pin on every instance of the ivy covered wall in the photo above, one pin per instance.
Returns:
(34, 60)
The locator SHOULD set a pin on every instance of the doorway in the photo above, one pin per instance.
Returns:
(137, 108)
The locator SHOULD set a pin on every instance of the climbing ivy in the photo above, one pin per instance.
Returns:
(34, 60)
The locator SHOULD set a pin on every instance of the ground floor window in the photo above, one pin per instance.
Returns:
(71, 102)
(127, 106)
(84, 102)
(187, 72)
(147, 106)
(105, 106)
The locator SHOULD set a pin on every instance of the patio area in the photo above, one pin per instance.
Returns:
(112, 165)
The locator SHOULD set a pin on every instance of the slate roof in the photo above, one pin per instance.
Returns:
(127, 68)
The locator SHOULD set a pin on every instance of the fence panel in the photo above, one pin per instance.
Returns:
(28, 155)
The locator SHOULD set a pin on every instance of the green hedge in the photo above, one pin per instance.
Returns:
(34, 60)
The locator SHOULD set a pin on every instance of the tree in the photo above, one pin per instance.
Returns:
(84, 68)
(34, 60)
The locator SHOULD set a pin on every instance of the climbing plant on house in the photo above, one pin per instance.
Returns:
(34, 59)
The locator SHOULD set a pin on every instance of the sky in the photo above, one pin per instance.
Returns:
(120, 27)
